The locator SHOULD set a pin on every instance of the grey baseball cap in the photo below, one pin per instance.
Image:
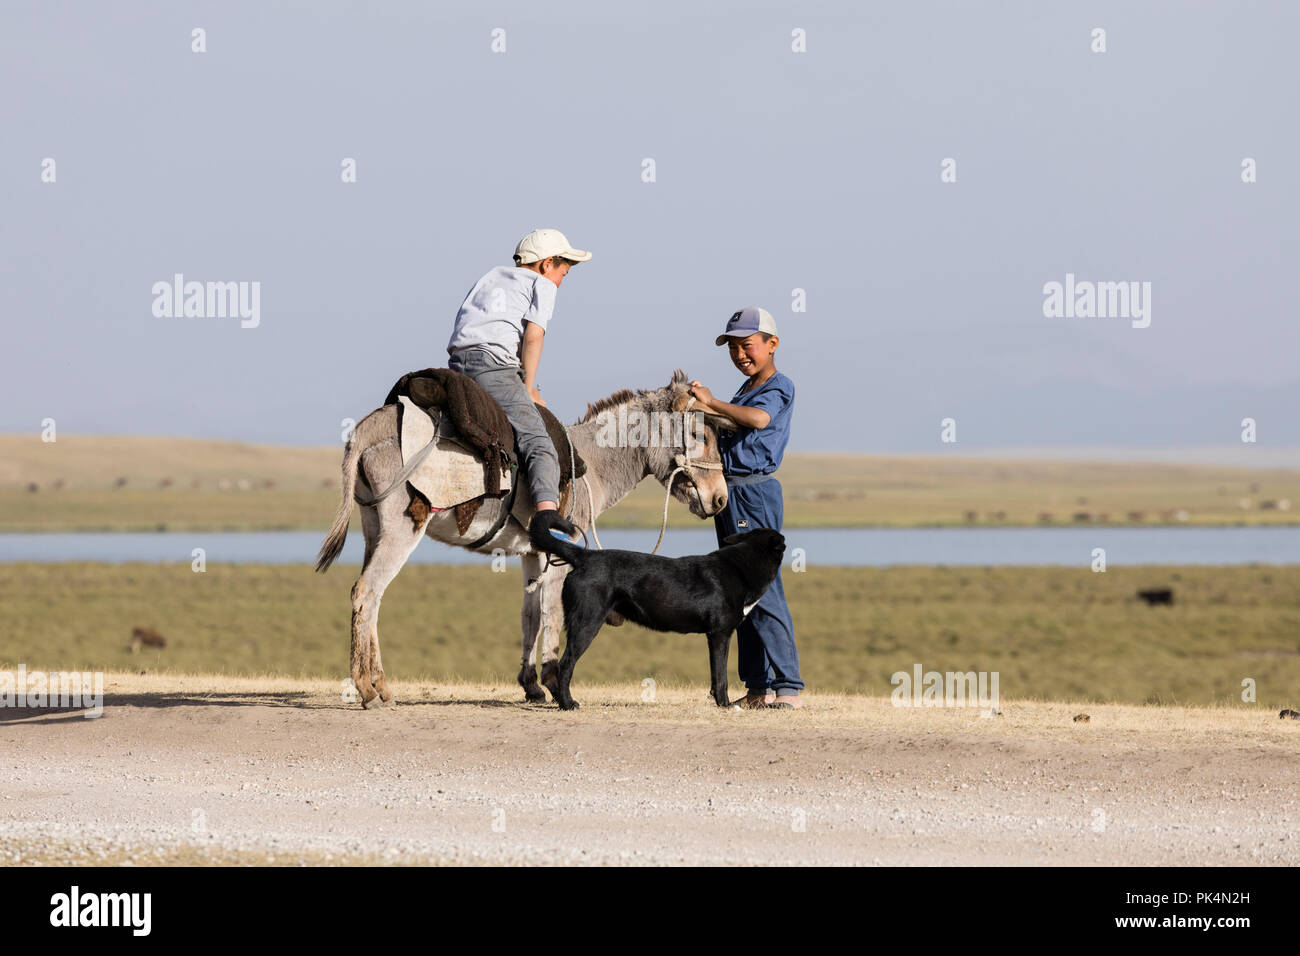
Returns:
(746, 322)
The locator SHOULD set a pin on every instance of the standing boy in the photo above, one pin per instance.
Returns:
(497, 342)
(768, 660)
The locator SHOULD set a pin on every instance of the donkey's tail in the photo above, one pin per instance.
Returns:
(368, 432)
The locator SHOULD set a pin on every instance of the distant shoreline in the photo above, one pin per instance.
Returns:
(90, 483)
(1226, 455)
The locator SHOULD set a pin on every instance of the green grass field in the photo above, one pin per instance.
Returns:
(1051, 633)
(146, 484)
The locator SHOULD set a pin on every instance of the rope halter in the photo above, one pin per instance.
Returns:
(684, 463)
(681, 459)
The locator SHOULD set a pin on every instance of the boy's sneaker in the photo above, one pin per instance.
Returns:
(755, 702)
(553, 521)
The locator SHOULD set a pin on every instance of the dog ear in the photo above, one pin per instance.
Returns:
(734, 538)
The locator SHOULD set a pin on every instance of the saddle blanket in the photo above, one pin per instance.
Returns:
(452, 473)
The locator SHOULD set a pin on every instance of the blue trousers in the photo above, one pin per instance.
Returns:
(767, 656)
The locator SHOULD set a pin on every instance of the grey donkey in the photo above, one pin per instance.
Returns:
(623, 438)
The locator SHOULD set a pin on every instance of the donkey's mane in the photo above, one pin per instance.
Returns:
(624, 395)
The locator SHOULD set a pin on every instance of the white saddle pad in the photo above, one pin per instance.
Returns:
(451, 473)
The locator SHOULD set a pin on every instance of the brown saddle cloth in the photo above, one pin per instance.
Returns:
(482, 423)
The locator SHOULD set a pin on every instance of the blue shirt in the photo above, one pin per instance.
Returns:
(758, 451)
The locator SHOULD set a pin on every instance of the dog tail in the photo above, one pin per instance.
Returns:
(543, 540)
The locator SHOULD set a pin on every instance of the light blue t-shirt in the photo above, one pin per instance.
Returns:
(758, 451)
(492, 316)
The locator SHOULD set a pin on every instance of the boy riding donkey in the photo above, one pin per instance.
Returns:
(497, 342)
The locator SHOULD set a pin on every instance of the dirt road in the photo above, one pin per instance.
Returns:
(212, 769)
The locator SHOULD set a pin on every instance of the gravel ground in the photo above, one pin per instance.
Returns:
(217, 770)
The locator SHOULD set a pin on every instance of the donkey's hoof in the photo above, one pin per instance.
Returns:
(551, 679)
(535, 694)
(375, 703)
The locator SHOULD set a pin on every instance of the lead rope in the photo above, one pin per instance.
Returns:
(590, 504)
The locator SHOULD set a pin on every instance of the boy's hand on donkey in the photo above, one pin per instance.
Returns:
(536, 396)
(701, 394)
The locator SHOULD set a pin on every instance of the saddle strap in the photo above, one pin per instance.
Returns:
(506, 507)
(416, 461)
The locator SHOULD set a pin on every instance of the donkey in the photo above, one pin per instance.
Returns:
(373, 456)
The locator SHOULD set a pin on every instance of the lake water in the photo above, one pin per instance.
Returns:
(868, 547)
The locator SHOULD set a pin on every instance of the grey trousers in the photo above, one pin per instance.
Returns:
(505, 383)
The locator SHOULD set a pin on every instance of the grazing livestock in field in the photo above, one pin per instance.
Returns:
(146, 637)
(1155, 596)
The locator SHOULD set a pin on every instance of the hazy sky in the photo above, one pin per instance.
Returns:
(774, 171)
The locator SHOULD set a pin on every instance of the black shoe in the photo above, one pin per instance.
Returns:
(553, 521)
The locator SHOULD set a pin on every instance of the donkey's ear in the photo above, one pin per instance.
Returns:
(679, 387)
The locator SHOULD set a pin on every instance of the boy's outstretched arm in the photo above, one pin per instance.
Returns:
(740, 414)
(530, 355)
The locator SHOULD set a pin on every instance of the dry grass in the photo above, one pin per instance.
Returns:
(681, 705)
(1059, 633)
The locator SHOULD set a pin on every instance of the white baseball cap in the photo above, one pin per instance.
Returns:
(543, 243)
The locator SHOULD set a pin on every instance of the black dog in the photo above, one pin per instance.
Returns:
(702, 594)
